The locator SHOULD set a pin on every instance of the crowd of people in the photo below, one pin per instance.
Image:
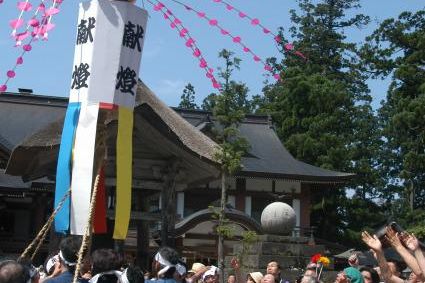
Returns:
(108, 266)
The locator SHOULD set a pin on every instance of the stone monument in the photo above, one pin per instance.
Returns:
(278, 243)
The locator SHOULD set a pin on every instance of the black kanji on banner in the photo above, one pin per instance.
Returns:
(126, 80)
(80, 76)
(84, 33)
(132, 36)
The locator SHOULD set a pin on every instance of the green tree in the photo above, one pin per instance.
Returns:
(229, 111)
(397, 49)
(208, 103)
(187, 100)
(322, 108)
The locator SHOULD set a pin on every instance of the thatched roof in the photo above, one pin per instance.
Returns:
(38, 152)
(191, 137)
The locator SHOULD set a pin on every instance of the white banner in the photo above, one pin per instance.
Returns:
(108, 50)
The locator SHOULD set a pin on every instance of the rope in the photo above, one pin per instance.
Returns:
(43, 232)
(87, 235)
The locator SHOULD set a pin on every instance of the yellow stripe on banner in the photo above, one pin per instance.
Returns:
(124, 172)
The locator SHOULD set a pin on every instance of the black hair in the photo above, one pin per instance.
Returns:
(105, 260)
(278, 264)
(13, 272)
(169, 254)
(373, 274)
(135, 275)
(70, 247)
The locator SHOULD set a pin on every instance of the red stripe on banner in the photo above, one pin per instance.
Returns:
(108, 106)
(99, 223)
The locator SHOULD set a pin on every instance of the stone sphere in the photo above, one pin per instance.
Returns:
(278, 218)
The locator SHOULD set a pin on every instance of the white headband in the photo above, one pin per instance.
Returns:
(181, 269)
(65, 261)
(167, 265)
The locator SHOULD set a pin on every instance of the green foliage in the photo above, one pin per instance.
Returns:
(397, 48)
(322, 109)
(188, 98)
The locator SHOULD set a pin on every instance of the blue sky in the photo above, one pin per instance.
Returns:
(167, 65)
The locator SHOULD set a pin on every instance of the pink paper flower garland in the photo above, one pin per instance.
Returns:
(236, 39)
(40, 28)
(177, 24)
(256, 23)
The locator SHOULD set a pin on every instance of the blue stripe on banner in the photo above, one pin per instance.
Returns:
(63, 171)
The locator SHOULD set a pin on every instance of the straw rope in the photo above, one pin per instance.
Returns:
(43, 232)
(87, 235)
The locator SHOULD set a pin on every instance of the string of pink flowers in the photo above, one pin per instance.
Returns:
(236, 39)
(177, 24)
(40, 28)
(256, 23)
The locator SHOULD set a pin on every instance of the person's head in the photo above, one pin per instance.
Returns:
(211, 275)
(231, 278)
(13, 272)
(310, 272)
(164, 262)
(134, 274)
(33, 272)
(350, 275)
(268, 278)
(369, 275)
(273, 268)
(52, 262)
(309, 279)
(254, 277)
(68, 254)
(104, 260)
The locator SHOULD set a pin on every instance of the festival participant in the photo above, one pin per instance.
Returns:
(68, 256)
(13, 272)
(164, 265)
(134, 275)
(268, 278)
(254, 277)
(388, 274)
(231, 278)
(349, 275)
(34, 274)
(309, 279)
(52, 267)
(394, 239)
(105, 266)
(273, 268)
(211, 275)
(369, 274)
(412, 244)
(195, 273)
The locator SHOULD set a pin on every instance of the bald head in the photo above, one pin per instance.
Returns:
(13, 272)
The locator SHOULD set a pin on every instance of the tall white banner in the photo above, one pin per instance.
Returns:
(108, 51)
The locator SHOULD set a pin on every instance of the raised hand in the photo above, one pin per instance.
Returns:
(373, 242)
(411, 242)
(393, 237)
(235, 263)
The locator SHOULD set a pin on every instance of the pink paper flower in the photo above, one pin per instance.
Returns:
(229, 7)
(213, 22)
(224, 32)
(256, 58)
(255, 22)
(24, 6)
(237, 39)
(51, 11)
(177, 21)
(276, 76)
(288, 46)
(268, 68)
(11, 74)
(16, 23)
(3, 88)
(266, 30)
(246, 49)
(203, 63)
(34, 23)
(183, 32)
(27, 47)
(189, 42)
(19, 61)
(201, 14)
(242, 14)
(197, 52)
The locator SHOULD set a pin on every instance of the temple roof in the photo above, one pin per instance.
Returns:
(35, 124)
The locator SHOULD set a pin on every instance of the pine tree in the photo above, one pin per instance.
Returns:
(397, 49)
(322, 108)
(188, 98)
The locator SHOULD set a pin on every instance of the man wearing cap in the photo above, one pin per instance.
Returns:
(164, 266)
(196, 272)
(68, 256)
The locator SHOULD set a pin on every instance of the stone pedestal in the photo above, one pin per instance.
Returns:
(291, 253)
